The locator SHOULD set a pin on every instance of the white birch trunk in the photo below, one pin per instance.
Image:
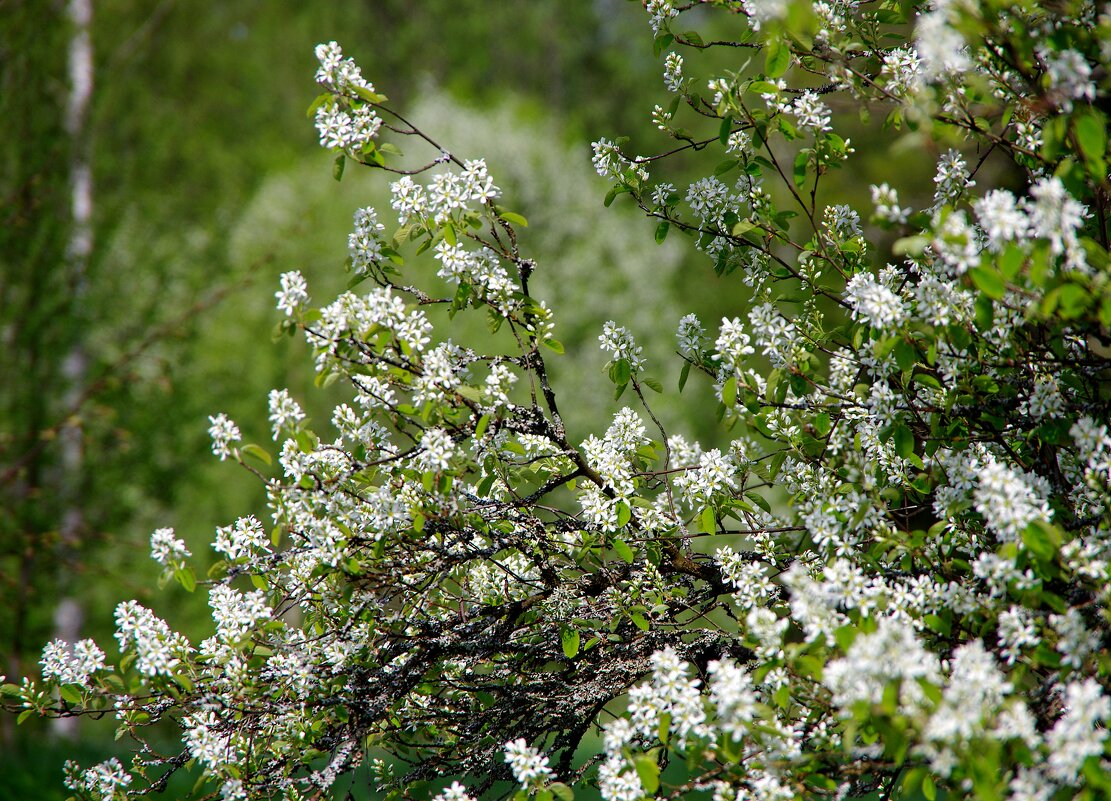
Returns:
(69, 614)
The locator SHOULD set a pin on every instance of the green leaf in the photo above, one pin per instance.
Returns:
(70, 693)
(684, 374)
(649, 772)
(929, 789)
(620, 372)
(369, 96)
(258, 453)
(777, 58)
(938, 624)
(338, 166)
(1042, 539)
(613, 193)
(26, 713)
(782, 696)
(624, 514)
(186, 578)
(569, 638)
(664, 729)
(729, 392)
(904, 440)
(743, 227)
(763, 88)
(725, 130)
(760, 501)
(661, 231)
(480, 429)
(661, 43)
(1011, 261)
(1091, 133)
(910, 246)
(562, 791)
(639, 621)
(512, 217)
(989, 281)
(553, 345)
(802, 158)
(709, 520)
(623, 550)
(822, 423)
(653, 384)
(317, 102)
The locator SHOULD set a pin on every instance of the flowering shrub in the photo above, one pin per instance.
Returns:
(916, 490)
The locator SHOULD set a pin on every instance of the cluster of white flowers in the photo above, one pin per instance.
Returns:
(480, 269)
(1080, 732)
(166, 549)
(158, 648)
(903, 69)
(1070, 77)
(952, 178)
(940, 45)
(1009, 500)
(811, 113)
(732, 344)
(734, 698)
(455, 792)
(498, 385)
(530, 767)
(886, 201)
(619, 343)
(343, 126)
(206, 743)
(713, 476)
(71, 664)
(285, 412)
(364, 244)
(1001, 218)
(245, 537)
(224, 433)
(106, 781)
(690, 335)
(436, 450)
(874, 303)
(235, 613)
(841, 222)
(348, 131)
(761, 12)
(779, 338)
(670, 691)
(891, 654)
(610, 162)
(673, 72)
(711, 200)
(747, 576)
(294, 293)
(660, 12)
(446, 197)
(336, 73)
(1055, 215)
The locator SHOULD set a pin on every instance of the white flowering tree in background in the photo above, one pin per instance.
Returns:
(891, 578)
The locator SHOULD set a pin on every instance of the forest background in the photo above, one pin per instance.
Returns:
(207, 184)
